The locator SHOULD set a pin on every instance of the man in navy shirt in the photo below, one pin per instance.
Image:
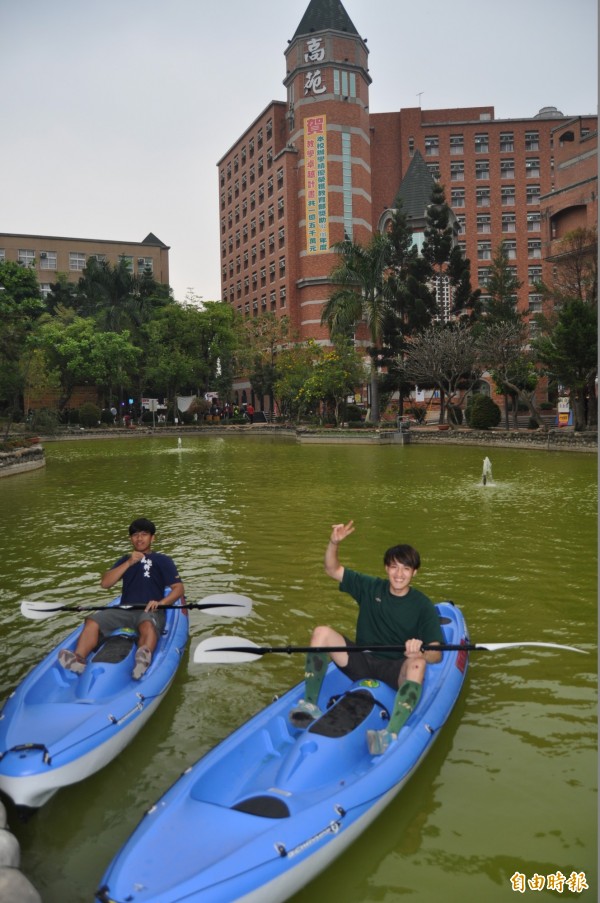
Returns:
(145, 575)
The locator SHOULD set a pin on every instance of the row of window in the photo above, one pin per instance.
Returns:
(508, 196)
(253, 306)
(534, 249)
(262, 250)
(256, 224)
(508, 222)
(534, 274)
(48, 260)
(242, 183)
(255, 143)
(482, 170)
(262, 275)
(481, 143)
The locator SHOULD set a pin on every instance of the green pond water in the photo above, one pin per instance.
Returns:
(509, 787)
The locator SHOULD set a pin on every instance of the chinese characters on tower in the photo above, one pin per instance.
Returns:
(315, 184)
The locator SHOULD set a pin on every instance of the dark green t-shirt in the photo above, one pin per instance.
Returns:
(385, 619)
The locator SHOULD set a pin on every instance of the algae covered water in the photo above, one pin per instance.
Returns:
(506, 801)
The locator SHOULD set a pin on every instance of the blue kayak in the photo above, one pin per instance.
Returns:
(57, 727)
(272, 805)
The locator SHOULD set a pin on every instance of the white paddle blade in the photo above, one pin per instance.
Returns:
(225, 650)
(226, 605)
(492, 647)
(39, 611)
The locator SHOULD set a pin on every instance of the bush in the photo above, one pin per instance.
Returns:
(455, 414)
(482, 413)
(353, 413)
(89, 415)
(418, 412)
(45, 421)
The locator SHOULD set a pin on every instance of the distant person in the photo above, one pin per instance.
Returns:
(145, 575)
(391, 612)
(250, 412)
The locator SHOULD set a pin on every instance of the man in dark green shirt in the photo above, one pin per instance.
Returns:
(391, 612)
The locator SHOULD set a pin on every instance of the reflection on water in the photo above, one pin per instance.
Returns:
(509, 785)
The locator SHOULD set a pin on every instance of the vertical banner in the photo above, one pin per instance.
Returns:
(315, 184)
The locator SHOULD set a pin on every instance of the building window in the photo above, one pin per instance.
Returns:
(280, 178)
(509, 222)
(271, 240)
(534, 222)
(534, 275)
(434, 169)
(484, 250)
(461, 223)
(482, 169)
(507, 141)
(483, 275)
(484, 223)
(482, 197)
(45, 289)
(280, 206)
(282, 266)
(411, 147)
(532, 141)
(532, 168)
(534, 249)
(282, 296)
(533, 194)
(145, 265)
(457, 144)
(457, 172)
(482, 144)
(26, 257)
(347, 183)
(511, 250)
(76, 260)
(432, 146)
(127, 259)
(507, 169)
(47, 260)
(508, 196)
(535, 303)
(2, 255)
(344, 83)
(457, 197)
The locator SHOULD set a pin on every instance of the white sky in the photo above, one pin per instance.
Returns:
(114, 113)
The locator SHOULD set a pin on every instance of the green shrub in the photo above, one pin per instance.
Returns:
(455, 414)
(418, 412)
(89, 415)
(45, 421)
(482, 413)
(353, 413)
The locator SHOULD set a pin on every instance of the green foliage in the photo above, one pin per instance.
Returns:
(482, 413)
(89, 415)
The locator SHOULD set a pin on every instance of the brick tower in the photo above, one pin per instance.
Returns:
(327, 85)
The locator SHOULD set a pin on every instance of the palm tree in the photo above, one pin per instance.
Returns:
(362, 293)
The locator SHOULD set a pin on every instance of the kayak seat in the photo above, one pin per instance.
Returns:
(115, 649)
(345, 715)
(265, 806)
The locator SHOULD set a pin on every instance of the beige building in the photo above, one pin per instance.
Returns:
(51, 255)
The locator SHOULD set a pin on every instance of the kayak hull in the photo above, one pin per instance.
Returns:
(57, 728)
(271, 806)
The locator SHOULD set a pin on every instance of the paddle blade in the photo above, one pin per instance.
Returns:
(226, 605)
(493, 647)
(225, 650)
(39, 611)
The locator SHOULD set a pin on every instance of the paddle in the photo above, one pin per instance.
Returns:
(229, 605)
(233, 650)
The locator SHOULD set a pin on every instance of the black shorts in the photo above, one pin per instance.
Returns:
(363, 664)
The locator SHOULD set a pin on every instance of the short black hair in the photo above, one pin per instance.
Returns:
(142, 525)
(404, 554)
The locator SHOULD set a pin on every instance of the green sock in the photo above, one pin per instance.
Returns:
(405, 702)
(316, 666)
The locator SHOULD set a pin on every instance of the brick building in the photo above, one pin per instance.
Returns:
(320, 167)
(51, 255)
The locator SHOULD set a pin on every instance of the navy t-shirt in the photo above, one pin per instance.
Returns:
(147, 579)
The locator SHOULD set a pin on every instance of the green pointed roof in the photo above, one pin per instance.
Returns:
(415, 188)
(325, 15)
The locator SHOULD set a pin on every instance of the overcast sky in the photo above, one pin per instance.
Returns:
(114, 113)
